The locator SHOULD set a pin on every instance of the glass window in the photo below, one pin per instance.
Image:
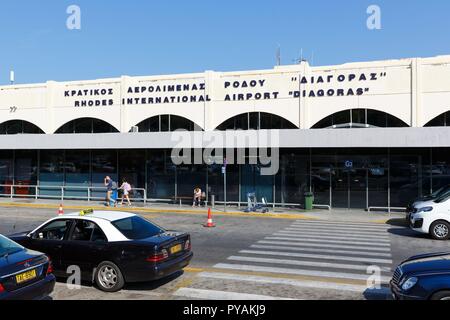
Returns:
(160, 175)
(25, 172)
(190, 177)
(55, 230)
(8, 247)
(137, 228)
(440, 169)
(87, 231)
(410, 175)
(292, 180)
(77, 172)
(360, 118)
(19, 127)
(6, 172)
(442, 121)
(104, 163)
(165, 123)
(51, 173)
(341, 117)
(254, 121)
(86, 125)
(98, 235)
(132, 169)
(177, 123)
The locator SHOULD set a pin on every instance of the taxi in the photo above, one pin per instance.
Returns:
(110, 248)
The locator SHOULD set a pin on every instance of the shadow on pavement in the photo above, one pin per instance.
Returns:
(153, 285)
(140, 286)
(398, 222)
(383, 293)
(406, 232)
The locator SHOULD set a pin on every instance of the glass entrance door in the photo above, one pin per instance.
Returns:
(349, 188)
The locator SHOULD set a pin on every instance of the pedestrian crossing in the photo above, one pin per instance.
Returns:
(316, 257)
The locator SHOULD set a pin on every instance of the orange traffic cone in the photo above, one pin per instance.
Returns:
(60, 210)
(210, 223)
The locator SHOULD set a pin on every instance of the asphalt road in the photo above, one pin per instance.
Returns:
(262, 258)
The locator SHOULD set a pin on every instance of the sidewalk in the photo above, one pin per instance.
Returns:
(335, 215)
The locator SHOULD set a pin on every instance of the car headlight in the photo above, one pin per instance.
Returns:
(425, 209)
(411, 282)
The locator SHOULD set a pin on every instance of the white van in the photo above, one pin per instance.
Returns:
(433, 218)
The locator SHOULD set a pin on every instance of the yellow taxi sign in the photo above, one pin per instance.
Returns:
(85, 212)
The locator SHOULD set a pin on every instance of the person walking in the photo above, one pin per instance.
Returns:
(108, 184)
(126, 188)
(114, 194)
(197, 197)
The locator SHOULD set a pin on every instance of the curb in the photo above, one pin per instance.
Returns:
(286, 216)
(147, 210)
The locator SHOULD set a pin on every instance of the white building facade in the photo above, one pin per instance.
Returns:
(348, 133)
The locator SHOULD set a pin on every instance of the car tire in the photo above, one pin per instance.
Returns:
(443, 295)
(108, 277)
(440, 230)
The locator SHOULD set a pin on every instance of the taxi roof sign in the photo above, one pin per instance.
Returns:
(87, 211)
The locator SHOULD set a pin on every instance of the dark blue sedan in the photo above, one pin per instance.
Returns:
(424, 277)
(24, 274)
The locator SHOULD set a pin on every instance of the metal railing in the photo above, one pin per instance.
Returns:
(66, 193)
(36, 192)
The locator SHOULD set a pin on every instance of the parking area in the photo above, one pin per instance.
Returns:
(259, 257)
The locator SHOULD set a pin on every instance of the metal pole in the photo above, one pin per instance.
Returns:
(225, 188)
(389, 181)
(224, 168)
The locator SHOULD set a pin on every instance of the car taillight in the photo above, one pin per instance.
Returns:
(1, 288)
(157, 257)
(50, 266)
(187, 245)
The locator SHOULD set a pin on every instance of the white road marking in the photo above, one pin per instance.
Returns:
(324, 245)
(344, 224)
(320, 230)
(317, 256)
(305, 239)
(313, 273)
(221, 295)
(319, 250)
(335, 234)
(292, 282)
(285, 234)
(304, 263)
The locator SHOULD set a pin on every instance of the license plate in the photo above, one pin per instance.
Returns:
(176, 249)
(26, 276)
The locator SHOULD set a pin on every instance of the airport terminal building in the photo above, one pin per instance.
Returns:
(366, 135)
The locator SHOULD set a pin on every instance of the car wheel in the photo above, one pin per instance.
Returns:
(440, 230)
(443, 295)
(108, 277)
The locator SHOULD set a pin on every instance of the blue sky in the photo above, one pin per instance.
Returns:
(137, 37)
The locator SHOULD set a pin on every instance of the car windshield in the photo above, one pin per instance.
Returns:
(441, 192)
(443, 198)
(8, 247)
(137, 228)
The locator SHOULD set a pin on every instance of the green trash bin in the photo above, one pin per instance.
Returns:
(309, 200)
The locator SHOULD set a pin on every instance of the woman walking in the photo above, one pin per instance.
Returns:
(126, 188)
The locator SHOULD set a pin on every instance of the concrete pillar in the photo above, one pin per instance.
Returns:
(416, 93)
